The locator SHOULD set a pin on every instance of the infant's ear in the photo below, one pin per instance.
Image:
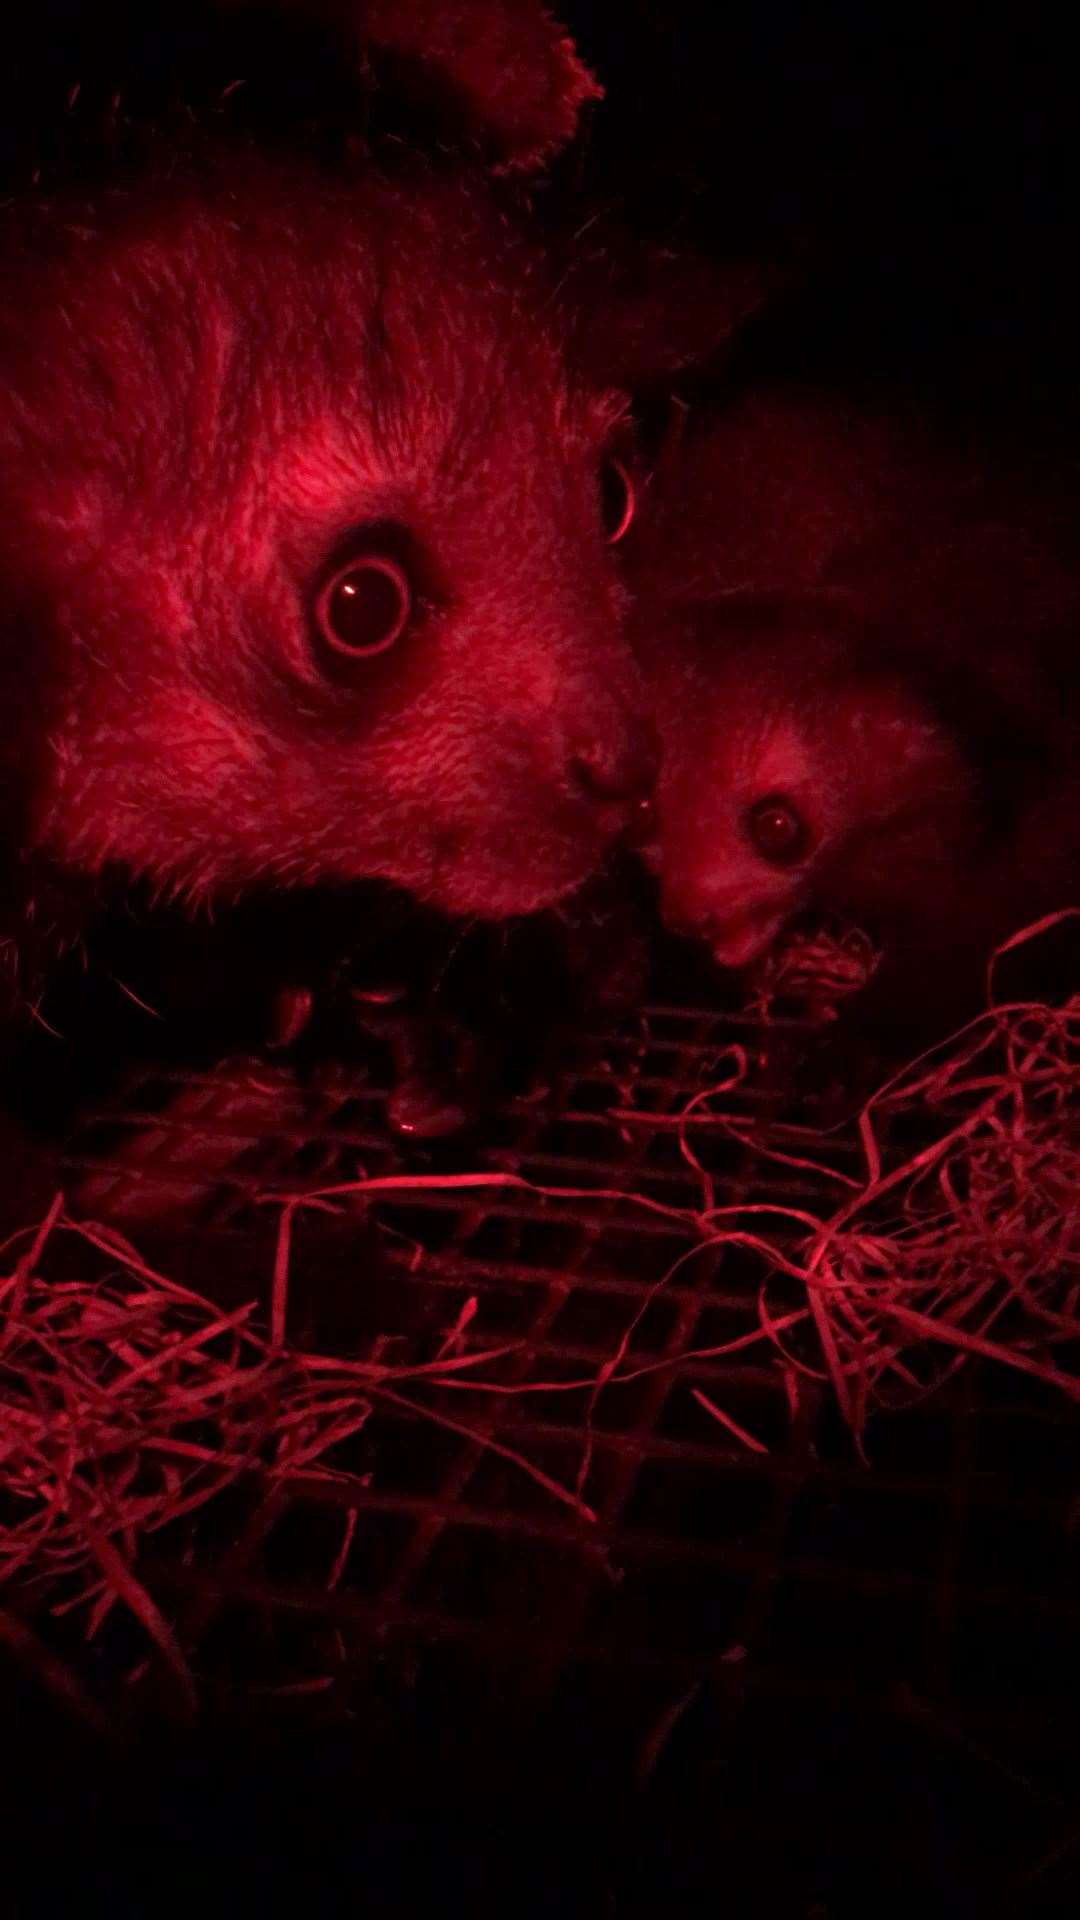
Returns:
(500, 75)
(644, 312)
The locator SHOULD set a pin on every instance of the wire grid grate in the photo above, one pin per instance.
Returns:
(937, 1589)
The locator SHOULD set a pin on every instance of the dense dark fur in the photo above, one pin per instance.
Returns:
(883, 628)
(218, 381)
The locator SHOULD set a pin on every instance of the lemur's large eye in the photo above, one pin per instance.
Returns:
(616, 499)
(364, 607)
(777, 830)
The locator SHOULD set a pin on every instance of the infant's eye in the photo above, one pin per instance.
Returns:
(364, 607)
(617, 501)
(777, 830)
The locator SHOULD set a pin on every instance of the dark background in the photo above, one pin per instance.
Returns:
(929, 158)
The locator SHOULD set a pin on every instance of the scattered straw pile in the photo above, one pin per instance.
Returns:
(967, 1245)
(971, 1245)
(127, 1402)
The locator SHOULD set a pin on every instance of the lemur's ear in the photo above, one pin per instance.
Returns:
(501, 75)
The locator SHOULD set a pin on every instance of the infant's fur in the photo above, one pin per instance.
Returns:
(839, 611)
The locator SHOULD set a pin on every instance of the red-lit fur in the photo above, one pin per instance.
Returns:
(835, 608)
(203, 393)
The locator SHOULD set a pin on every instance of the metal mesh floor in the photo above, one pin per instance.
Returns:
(740, 1636)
